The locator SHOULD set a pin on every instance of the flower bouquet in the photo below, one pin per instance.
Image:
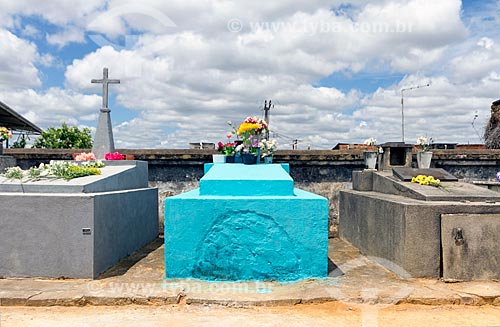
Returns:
(5, 134)
(268, 148)
(114, 156)
(250, 130)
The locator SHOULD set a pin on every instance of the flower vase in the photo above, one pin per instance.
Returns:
(370, 159)
(424, 159)
(218, 158)
(249, 158)
(230, 159)
(268, 160)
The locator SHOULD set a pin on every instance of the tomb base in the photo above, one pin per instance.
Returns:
(253, 235)
(79, 228)
(413, 228)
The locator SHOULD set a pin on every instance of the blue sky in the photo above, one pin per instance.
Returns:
(334, 68)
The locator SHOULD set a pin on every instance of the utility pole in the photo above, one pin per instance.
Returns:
(403, 107)
(267, 108)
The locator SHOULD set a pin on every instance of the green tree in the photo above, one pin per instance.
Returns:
(64, 138)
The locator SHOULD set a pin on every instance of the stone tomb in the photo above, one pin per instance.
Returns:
(423, 231)
(246, 222)
(77, 228)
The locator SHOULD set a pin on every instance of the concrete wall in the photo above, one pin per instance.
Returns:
(323, 172)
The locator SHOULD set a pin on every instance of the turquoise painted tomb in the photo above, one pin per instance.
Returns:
(246, 222)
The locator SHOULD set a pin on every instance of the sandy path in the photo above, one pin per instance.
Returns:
(327, 314)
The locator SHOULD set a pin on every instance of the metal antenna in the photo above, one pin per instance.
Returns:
(403, 106)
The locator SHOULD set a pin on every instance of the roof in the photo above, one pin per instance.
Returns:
(12, 120)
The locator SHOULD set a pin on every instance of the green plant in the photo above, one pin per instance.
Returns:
(21, 142)
(14, 173)
(64, 138)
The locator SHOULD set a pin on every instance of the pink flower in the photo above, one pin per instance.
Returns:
(114, 156)
(229, 135)
(85, 156)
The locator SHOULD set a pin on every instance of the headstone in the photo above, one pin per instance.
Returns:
(103, 142)
(406, 174)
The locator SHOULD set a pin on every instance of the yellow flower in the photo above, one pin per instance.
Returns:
(245, 127)
(426, 180)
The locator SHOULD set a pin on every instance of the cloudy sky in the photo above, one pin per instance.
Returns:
(334, 69)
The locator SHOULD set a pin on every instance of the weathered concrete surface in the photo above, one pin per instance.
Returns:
(471, 246)
(139, 280)
(405, 231)
(78, 235)
(6, 162)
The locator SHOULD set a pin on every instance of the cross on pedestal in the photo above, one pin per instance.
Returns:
(105, 81)
(103, 141)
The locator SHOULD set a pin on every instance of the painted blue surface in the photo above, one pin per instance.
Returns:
(207, 166)
(258, 237)
(243, 180)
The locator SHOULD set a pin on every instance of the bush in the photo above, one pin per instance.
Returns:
(64, 138)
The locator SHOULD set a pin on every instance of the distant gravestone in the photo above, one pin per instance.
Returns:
(103, 141)
(406, 174)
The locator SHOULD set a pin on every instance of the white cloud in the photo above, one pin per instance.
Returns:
(16, 62)
(184, 82)
(51, 107)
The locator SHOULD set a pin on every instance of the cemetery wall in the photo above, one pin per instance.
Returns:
(324, 172)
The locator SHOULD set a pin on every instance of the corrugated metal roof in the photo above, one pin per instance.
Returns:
(12, 120)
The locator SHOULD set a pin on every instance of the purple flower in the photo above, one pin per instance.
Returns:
(498, 176)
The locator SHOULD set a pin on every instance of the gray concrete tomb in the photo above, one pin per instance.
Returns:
(78, 228)
(450, 232)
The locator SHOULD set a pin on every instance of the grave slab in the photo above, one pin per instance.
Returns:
(78, 232)
(401, 223)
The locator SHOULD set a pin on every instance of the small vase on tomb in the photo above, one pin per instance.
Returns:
(218, 158)
(229, 159)
(268, 160)
(424, 159)
(370, 159)
(249, 158)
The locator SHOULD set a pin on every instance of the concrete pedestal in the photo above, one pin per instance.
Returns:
(412, 228)
(77, 228)
(246, 223)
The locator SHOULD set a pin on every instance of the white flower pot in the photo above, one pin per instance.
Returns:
(370, 159)
(424, 159)
(218, 158)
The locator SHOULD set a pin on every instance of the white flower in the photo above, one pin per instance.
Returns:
(422, 140)
(370, 141)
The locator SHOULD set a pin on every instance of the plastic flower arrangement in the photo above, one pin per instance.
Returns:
(268, 148)
(423, 143)
(250, 131)
(426, 180)
(371, 141)
(5, 134)
(85, 156)
(114, 156)
(58, 169)
(229, 149)
(252, 126)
